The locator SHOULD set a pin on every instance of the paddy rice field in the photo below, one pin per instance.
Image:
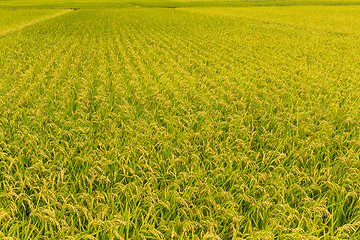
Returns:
(179, 119)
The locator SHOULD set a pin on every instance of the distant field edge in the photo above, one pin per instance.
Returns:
(184, 4)
(171, 4)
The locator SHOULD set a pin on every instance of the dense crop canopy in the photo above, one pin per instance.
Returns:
(180, 123)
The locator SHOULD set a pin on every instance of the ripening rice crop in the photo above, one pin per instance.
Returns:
(181, 124)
